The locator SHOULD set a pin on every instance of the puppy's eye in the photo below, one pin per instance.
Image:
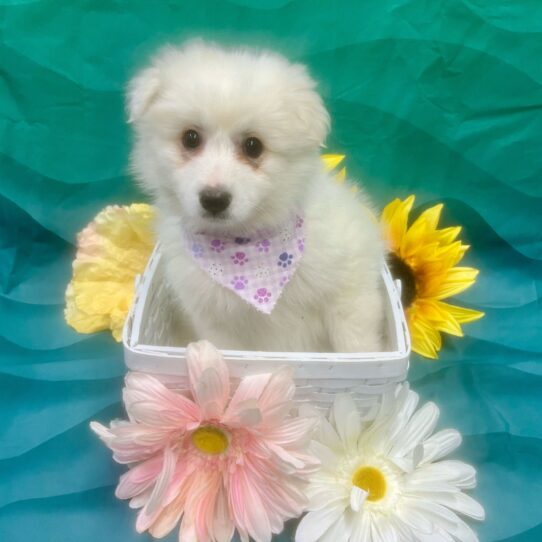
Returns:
(252, 147)
(191, 139)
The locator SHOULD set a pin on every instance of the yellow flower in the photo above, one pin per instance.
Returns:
(425, 257)
(331, 162)
(111, 251)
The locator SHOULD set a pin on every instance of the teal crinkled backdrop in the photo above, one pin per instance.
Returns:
(441, 98)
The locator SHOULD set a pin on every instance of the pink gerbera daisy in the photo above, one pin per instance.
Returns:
(214, 462)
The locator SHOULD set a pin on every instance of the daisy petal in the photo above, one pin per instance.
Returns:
(328, 436)
(384, 431)
(250, 387)
(457, 473)
(151, 510)
(286, 457)
(383, 531)
(346, 418)
(139, 478)
(162, 482)
(168, 518)
(357, 498)
(326, 495)
(280, 500)
(424, 488)
(132, 442)
(222, 528)
(315, 524)
(293, 432)
(103, 432)
(243, 413)
(139, 501)
(340, 530)
(361, 528)
(439, 516)
(208, 374)
(209, 394)
(275, 400)
(414, 519)
(420, 426)
(446, 523)
(204, 504)
(187, 532)
(461, 503)
(438, 535)
(463, 532)
(148, 401)
(440, 445)
(253, 518)
(404, 532)
(325, 455)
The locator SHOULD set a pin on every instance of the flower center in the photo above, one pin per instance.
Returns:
(402, 271)
(210, 440)
(371, 480)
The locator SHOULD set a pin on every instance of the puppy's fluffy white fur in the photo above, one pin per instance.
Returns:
(334, 301)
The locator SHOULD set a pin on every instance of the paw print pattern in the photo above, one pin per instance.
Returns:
(262, 295)
(217, 245)
(263, 245)
(239, 282)
(285, 260)
(239, 258)
(242, 240)
(301, 245)
(197, 250)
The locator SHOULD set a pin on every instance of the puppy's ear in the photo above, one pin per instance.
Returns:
(309, 112)
(142, 90)
(313, 117)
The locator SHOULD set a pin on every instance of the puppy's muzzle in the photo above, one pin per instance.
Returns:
(214, 201)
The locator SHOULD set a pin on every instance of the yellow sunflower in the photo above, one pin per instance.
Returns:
(425, 258)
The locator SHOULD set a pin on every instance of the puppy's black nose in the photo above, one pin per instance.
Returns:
(214, 200)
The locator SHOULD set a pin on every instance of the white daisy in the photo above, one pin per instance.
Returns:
(384, 481)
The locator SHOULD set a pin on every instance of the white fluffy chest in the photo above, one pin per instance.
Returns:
(218, 314)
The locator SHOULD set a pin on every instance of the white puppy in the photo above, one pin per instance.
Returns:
(228, 144)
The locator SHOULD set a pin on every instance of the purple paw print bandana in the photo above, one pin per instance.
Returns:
(256, 268)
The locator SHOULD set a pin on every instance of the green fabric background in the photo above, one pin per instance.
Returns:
(440, 98)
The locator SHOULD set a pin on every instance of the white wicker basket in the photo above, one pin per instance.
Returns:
(152, 344)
